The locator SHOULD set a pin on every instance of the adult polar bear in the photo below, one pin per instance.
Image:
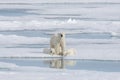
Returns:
(58, 43)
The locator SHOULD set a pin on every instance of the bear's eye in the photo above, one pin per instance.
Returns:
(61, 35)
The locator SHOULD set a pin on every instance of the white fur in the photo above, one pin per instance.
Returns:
(70, 52)
(49, 51)
(57, 46)
(57, 42)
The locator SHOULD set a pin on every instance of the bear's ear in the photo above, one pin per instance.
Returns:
(63, 33)
(55, 34)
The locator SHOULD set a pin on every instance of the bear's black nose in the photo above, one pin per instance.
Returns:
(61, 35)
(50, 51)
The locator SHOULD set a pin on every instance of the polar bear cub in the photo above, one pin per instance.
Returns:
(69, 52)
(49, 51)
(57, 42)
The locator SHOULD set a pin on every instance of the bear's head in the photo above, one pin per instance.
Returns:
(52, 51)
(61, 35)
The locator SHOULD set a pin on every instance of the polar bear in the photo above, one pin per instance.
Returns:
(70, 52)
(58, 43)
(49, 51)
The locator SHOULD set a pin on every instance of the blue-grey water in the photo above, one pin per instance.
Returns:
(78, 64)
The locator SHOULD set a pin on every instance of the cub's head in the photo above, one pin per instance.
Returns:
(52, 51)
(49, 51)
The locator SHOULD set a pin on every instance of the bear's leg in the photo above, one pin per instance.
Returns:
(63, 45)
(57, 49)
